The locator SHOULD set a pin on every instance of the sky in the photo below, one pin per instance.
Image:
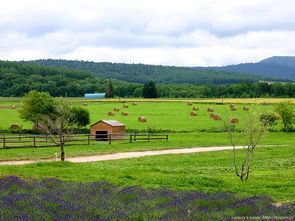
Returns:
(179, 33)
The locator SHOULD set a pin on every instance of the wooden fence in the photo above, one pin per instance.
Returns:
(21, 141)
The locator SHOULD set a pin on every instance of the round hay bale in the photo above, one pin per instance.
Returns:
(232, 105)
(142, 119)
(246, 108)
(13, 107)
(125, 105)
(264, 103)
(36, 127)
(210, 109)
(134, 104)
(116, 109)
(124, 113)
(234, 120)
(216, 117)
(15, 127)
(111, 114)
(233, 109)
(195, 108)
(85, 104)
(212, 115)
(189, 103)
(193, 113)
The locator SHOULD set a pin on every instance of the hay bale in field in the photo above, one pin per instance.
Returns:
(189, 103)
(124, 113)
(264, 103)
(13, 107)
(233, 109)
(245, 108)
(116, 109)
(210, 109)
(212, 115)
(195, 108)
(111, 114)
(234, 120)
(15, 127)
(36, 127)
(193, 113)
(142, 119)
(216, 117)
(134, 104)
(85, 104)
(125, 105)
(232, 105)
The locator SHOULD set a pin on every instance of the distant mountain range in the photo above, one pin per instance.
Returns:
(278, 66)
(141, 73)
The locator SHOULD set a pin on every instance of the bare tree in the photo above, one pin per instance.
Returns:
(58, 127)
(248, 134)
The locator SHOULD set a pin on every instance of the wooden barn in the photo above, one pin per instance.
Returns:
(103, 128)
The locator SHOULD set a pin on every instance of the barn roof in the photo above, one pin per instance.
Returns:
(112, 123)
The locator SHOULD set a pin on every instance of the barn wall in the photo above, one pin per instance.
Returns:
(101, 126)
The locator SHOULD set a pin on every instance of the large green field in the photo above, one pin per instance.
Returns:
(173, 116)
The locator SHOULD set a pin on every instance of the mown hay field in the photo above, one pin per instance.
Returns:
(162, 116)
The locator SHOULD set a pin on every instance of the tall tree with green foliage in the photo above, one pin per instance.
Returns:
(35, 105)
(54, 118)
(286, 110)
(109, 89)
(149, 90)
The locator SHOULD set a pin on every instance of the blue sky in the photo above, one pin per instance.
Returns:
(181, 33)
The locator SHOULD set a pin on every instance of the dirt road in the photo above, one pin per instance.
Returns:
(123, 155)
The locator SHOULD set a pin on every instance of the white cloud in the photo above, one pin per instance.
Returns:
(185, 33)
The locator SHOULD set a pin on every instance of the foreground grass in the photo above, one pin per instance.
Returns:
(176, 140)
(273, 172)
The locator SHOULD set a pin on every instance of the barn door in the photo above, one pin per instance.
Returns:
(101, 136)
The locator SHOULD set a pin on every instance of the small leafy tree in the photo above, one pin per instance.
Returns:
(149, 90)
(248, 135)
(36, 104)
(54, 118)
(58, 126)
(286, 110)
(79, 116)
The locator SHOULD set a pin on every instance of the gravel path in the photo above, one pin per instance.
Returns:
(124, 155)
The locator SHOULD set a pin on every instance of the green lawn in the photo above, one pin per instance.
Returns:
(273, 172)
(168, 116)
(176, 140)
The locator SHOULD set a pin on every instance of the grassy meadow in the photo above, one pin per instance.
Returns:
(165, 115)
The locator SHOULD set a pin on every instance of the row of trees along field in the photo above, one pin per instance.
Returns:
(17, 79)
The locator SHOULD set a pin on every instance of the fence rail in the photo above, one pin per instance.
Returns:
(21, 141)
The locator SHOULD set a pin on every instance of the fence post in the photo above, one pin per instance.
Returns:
(149, 137)
(130, 138)
(4, 140)
(34, 141)
(166, 137)
(110, 138)
(88, 139)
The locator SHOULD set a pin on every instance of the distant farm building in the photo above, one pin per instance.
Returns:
(95, 96)
(103, 128)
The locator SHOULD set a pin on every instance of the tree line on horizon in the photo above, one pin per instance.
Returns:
(17, 79)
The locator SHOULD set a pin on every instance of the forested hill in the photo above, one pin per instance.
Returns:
(279, 66)
(141, 73)
(17, 78)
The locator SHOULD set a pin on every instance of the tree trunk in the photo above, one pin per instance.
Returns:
(62, 152)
